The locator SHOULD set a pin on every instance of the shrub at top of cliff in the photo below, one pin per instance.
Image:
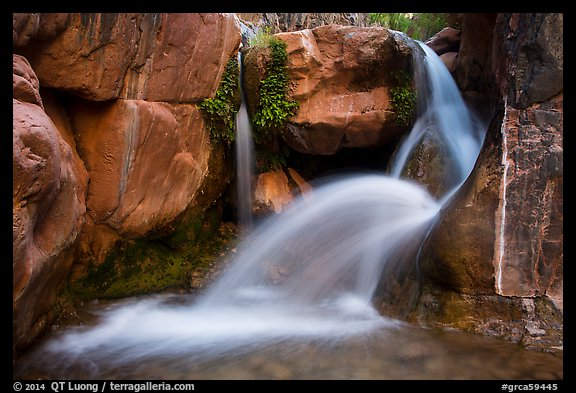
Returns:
(220, 111)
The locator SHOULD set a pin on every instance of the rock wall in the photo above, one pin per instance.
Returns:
(48, 199)
(493, 263)
(286, 22)
(109, 144)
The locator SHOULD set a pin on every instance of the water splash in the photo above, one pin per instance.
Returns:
(307, 274)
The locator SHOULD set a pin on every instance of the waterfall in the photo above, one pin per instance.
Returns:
(308, 273)
(443, 115)
(244, 159)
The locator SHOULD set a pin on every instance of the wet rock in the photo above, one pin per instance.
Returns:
(135, 186)
(501, 237)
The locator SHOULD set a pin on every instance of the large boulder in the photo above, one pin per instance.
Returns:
(275, 190)
(145, 159)
(48, 208)
(446, 40)
(341, 77)
(156, 57)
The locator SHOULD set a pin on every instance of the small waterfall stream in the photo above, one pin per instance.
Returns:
(296, 299)
(244, 159)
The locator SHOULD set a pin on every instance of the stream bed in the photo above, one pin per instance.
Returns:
(394, 351)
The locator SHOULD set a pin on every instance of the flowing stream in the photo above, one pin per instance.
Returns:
(244, 159)
(295, 302)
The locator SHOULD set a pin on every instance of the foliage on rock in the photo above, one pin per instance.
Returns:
(403, 99)
(274, 108)
(419, 26)
(220, 111)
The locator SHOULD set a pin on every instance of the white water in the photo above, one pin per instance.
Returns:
(244, 160)
(307, 274)
(443, 115)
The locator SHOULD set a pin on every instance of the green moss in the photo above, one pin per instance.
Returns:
(220, 111)
(145, 266)
(403, 99)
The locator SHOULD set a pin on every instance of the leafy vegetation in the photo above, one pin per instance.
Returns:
(417, 26)
(220, 111)
(274, 108)
(403, 98)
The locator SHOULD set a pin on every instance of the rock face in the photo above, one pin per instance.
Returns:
(341, 77)
(500, 241)
(284, 22)
(109, 144)
(157, 57)
(135, 186)
(48, 207)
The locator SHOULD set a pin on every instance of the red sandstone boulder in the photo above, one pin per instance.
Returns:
(181, 57)
(341, 77)
(276, 189)
(157, 57)
(48, 208)
(145, 159)
(446, 40)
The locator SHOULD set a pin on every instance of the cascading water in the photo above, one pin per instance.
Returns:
(442, 113)
(244, 159)
(307, 274)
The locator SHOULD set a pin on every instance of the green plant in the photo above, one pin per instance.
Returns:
(403, 98)
(419, 26)
(220, 111)
(274, 109)
(262, 38)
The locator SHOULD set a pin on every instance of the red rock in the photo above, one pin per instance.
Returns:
(146, 161)
(24, 27)
(340, 76)
(157, 57)
(500, 240)
(274, 190)
(450, 60)
(446, 40)
(25, 85)
(181, 57)
(90, 57)
(36, 26)
(48, 209)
